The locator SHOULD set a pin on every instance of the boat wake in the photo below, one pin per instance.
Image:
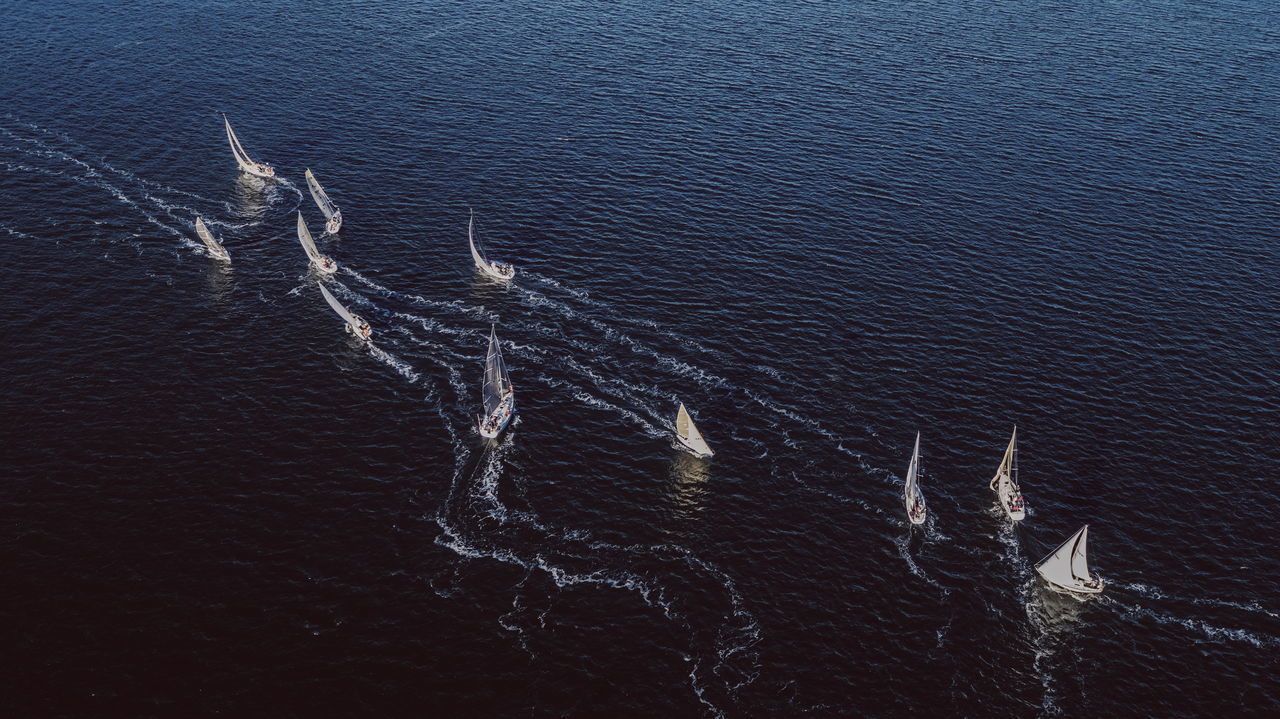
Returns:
(169, 210)
(1263, 626)
(721, 632)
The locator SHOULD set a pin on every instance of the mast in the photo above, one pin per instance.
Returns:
(476, 253)
(1013, 459)
(236, 148)
(495, 375)
(1079, 557)
(304, 236)
(912, 489)
(320, 196)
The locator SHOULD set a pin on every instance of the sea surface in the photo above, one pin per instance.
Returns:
(823, 226)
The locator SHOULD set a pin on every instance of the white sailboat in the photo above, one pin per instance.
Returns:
(911, 495)
(492, 268)
(1067, 567)
(1005, 483)
(257, 169)
(332, 214)
(320, 262)
(499, 393)
(688, 434)
(356, 324)
(215, 249)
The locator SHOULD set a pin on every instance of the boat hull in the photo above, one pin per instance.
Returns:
(332, 226)
(488, 271)
(357, 333)
(504, 414)
(1006, 504)
(320, 267)
(1075, 589)
(703, 452)
(269, 175)
(918, 519)
(493, 433)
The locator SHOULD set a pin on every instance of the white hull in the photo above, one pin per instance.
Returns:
(918, 519)
(496, 270)
(323, 268)
(257, 169)
(490, 429)
(212, 246)
(698, 449)
(333, 225)
(254, 169)
(1016, 514)
(501, 272)
(357, 332)
(1076, 588)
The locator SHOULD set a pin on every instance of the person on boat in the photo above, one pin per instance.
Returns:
(365, 329)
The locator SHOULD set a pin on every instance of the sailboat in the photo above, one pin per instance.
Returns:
(332, 214)
(1067, 567)
(499, 393)
(911, 495)
(1005, 483)
(215, 249)
(319, 261)
(492, 268)
(688, 434)
(257, 169)
(356, 324)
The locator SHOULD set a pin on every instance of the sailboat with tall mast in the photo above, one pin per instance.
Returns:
(1067, 567)
(492, 268)
(356, 325)
(1005, 483)
(332, 215)
(246, 163)
(499, 395)
(911, 495)
(216, 250)
(688, 434)
(320, 262)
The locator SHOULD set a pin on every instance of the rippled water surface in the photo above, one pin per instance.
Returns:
(822, 226)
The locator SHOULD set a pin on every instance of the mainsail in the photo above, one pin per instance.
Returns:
(308, 244)
(496, 380)
(480, 261)
(1068, 565)
(912, 490)
(1009, 466)
(215, 249)
(688, 432)
(242, 157)
(318, 194)
(342, 311)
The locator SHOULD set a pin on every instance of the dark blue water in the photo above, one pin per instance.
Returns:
(823, 226)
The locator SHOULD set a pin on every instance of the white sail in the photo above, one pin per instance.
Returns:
(1080, 558)
(688, 434)
(1005, 482)
(911, 492)
(308, 244)
(1006, 478)
(1068, 566)
(322, 199)
(497, 270)
(355, 322)
(245, 162)
(496, 380)
(215, 249)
